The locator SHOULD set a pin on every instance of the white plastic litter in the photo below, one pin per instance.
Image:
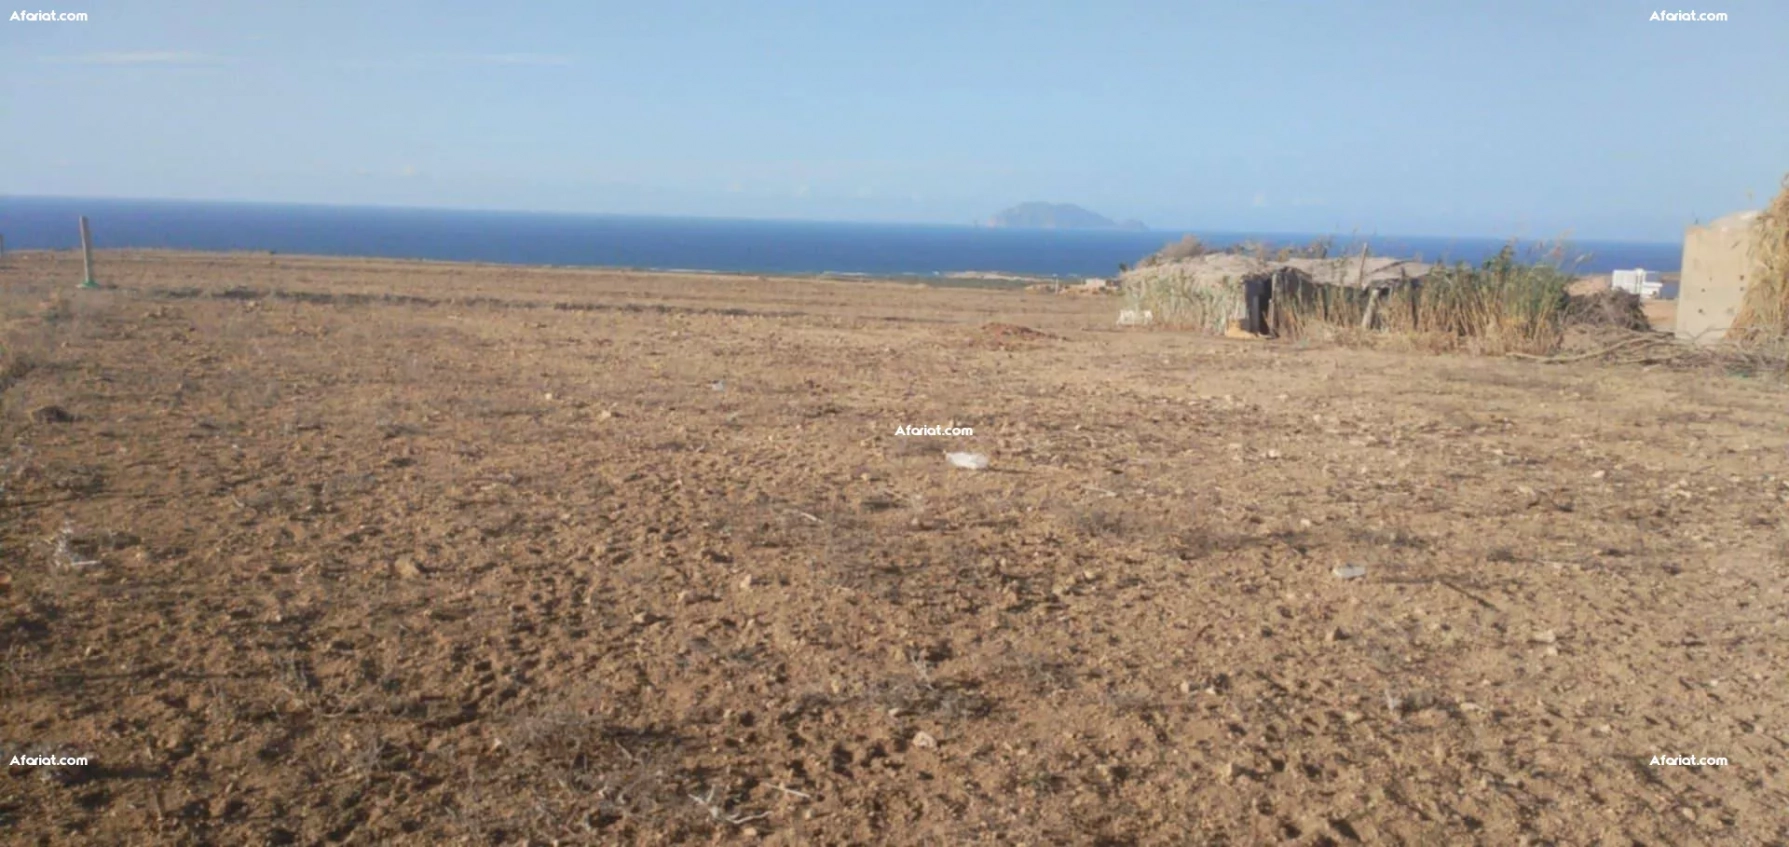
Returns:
(967, 461)
(1135, 317)
(1350, 571)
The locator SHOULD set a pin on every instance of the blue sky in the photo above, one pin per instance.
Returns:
(1501, 119)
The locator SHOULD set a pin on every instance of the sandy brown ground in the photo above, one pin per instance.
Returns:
(1662, 314)
(332, 551)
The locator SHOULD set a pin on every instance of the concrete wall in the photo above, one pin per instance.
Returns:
(1717, 267)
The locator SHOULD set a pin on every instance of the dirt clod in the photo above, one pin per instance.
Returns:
(52, 415)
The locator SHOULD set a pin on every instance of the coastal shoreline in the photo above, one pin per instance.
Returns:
(993, 280)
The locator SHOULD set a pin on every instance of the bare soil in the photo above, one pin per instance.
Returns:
(304, 551)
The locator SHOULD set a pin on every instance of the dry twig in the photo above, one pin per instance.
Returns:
(1579, 357)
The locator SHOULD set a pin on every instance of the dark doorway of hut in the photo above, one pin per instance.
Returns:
(1285, 302)
(1259, 319)
(1257, 297)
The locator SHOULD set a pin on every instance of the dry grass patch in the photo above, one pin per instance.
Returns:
(1764, 315)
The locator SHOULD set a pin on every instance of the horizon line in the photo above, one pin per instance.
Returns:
(1355, 236)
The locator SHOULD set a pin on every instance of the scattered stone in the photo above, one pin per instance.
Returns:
(747, 582)
(1545, 636)
(52, 415)
(1337, 634)
(406, 568)
(1688, 813)
(1350, 571)
(924, 741)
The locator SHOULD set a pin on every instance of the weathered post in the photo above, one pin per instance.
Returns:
(1366, 320)
(87, 255)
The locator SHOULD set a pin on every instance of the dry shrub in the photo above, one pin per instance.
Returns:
(1188, 247)
(1503, 306)
(1608, 309)
(56, 308)
(15, 363)
(1192, 247)
(1268, 251)
(1306, 310)
(1177, 299)
(1757, 356)
(1316, 248)
(27, 343)
(1764, 314)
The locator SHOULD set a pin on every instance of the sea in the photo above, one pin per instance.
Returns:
(720, 245)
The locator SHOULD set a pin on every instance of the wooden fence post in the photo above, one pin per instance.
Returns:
(87, 255)
(1366, 320)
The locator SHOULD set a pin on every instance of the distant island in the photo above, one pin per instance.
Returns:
(1037, 215)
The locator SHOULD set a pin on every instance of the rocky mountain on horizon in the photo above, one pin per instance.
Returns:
(1040, 215)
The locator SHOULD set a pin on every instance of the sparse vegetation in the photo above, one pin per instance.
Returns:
(1610, 309)
(1192, 247)
(450, 584)
(1764, 315)
(1504, 305)
(1188, 247)
(1178, 300)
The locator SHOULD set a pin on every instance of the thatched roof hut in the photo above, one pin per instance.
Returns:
(1209, 292)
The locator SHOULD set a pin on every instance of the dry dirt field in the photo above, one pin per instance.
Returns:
(310, 551)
